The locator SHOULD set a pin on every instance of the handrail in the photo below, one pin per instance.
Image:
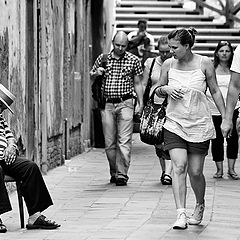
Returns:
(229, 10)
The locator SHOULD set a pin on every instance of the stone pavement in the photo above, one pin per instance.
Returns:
(90, 208)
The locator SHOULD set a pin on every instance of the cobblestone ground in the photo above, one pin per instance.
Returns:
(90, 208)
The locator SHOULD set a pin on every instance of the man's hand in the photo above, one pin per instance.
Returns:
(10, 154)
(226, 128)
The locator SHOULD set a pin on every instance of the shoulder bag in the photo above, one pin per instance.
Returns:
(152, 121)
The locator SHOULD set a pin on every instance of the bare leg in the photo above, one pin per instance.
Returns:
(179, 159)
(197, 179)
(219, 173)
(231, 170)
(162, 164)
(179, 163)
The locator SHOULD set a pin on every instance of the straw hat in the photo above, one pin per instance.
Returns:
(6, 97)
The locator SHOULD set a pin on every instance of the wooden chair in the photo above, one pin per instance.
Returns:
(20, 198)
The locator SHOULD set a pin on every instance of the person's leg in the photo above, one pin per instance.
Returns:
(198, 184)
(125, 112)
(177, 148)
(219, 173)
(169, 168)
(159, 151)
(5, 204)
(179, 163)
(34, 191)
(218, 147)
(197, 179)
(232, 149)
(109, 131)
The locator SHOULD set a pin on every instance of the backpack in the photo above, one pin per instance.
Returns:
(97, 93)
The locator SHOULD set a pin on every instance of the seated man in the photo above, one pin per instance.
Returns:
(34, 190)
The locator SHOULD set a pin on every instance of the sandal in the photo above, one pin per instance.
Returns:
(43, 223)
(234, 176)
(166, 179)
(3, 228)
(218, 175)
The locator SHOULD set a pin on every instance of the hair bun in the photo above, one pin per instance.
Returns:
(192, 30)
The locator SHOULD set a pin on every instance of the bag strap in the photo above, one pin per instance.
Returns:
(104, 60)
(104, 65)
(150, 73)
(152, 97)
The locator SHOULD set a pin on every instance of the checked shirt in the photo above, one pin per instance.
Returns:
(119, 75)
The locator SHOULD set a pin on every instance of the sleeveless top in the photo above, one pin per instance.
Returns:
(223, 83)
(189, 117)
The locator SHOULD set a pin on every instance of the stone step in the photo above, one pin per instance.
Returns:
(164, 31)
(169, 24)
(151, 3)
(202, 52)
(159, 10)
(162, 17)
(210, 38)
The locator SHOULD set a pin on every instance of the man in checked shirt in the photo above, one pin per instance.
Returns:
(122, 79)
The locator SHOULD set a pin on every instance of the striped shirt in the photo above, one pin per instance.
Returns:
(5, 136)
(119, 75)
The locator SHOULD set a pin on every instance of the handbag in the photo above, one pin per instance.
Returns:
(149, 85)
(152, 121)
(97, 92)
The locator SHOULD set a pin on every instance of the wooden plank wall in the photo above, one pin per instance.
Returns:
(52, 84)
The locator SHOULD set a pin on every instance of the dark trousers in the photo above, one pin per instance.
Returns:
(218, 142)
(34, 190)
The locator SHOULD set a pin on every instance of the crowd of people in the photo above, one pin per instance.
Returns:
(197, 90)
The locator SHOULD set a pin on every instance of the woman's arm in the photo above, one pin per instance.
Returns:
(174, 92)
(210, 74)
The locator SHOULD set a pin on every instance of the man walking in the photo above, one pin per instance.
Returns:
(122, 78)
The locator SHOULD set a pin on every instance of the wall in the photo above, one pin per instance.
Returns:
(44, 61)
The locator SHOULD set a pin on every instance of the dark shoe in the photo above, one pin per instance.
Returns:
(43, 223)
(3, 228)
(113, 179)
(166, 179)
(121, 182)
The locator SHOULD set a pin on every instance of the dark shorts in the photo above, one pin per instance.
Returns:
(172, 140)
(162, 153)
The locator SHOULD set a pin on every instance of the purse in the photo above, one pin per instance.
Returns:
(149, 85)
(152, 120)
(97, 92)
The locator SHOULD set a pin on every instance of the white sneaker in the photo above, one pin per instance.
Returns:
(197, 216)
(181, 222)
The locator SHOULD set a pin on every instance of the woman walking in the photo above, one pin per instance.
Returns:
(223, 56)
(188, 127)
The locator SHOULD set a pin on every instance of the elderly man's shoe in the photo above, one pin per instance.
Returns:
(43, 223)
(3, 228)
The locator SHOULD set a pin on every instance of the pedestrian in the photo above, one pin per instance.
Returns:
(223, 55)
(33, 188)
(141, 43)
(122, 78)
(232, 95)
(188, 127)
(164, 53)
